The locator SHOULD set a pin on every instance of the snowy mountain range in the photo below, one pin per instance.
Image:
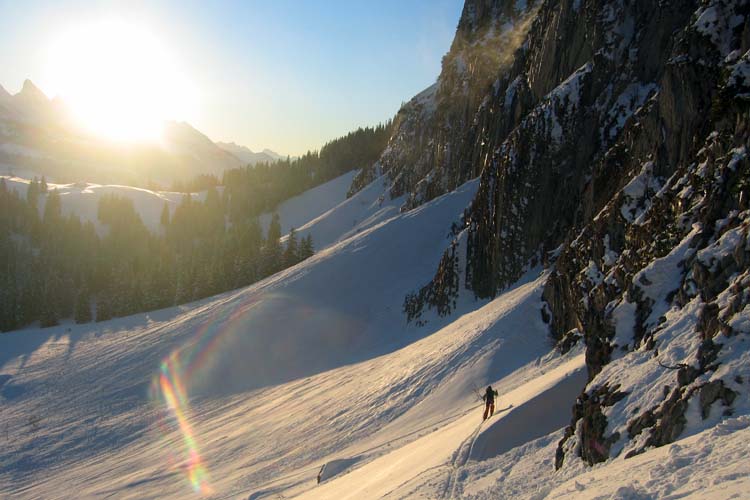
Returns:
(30, 105)
(564, 215)
(249, 157)
(38, 135)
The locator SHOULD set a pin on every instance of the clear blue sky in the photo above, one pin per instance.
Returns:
(282, 74)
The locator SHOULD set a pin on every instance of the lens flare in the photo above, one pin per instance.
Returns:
(168, 384)
(169, 388)
(206, 364)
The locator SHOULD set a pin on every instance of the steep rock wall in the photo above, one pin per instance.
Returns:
(613, 147)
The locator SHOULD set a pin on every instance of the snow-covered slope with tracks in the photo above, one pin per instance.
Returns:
(252, 393)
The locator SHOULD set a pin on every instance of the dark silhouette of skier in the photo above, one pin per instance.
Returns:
(489, 402)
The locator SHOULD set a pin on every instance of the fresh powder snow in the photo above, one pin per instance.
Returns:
(313, 375)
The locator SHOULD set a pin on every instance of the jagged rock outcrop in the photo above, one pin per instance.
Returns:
(668, 300)
(553, 129)
(433, 149)
(658, 271)
(613, 148)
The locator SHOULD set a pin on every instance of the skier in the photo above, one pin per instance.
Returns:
(489, 402)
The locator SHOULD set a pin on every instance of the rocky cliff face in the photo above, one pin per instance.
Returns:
(612, 147)
(432, 149)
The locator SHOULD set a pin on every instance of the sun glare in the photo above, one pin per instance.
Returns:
(119, 80)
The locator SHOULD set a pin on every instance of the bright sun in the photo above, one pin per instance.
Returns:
(119, 81)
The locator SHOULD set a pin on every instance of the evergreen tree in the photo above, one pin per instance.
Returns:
(184, 283)
(104, 305)
(164, 219)
(272, 249)
(54, 267)
(52, 212)
(49, 315)
(32, 193)
(291, 254)
(9, 293)
(306, 248)
(83, 307)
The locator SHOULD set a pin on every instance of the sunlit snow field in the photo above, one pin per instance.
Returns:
(250, 393)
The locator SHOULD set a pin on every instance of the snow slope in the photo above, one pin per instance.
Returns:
(402, 469)
(251, 393)
(709, 465)
(256, 363)
(370, 207)
(82, 199)
(712, 464)
(299, 210)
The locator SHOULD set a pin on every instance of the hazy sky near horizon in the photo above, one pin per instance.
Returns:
(279, 74)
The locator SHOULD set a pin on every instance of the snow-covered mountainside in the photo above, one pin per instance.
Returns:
(563, 215)
(82, 199)
(30, 105)
(247, 156)
(300, 210)
(612, 147)
(430, 151)
(314, 373)
(239, 356)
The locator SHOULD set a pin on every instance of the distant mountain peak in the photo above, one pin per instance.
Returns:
(181, 132)
(273, 154)
(30, 104)
(247, 156)
(32, 92)
(179, 125)
(234, 147)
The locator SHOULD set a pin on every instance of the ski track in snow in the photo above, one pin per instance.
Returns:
(80, 414)
(315, 366)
